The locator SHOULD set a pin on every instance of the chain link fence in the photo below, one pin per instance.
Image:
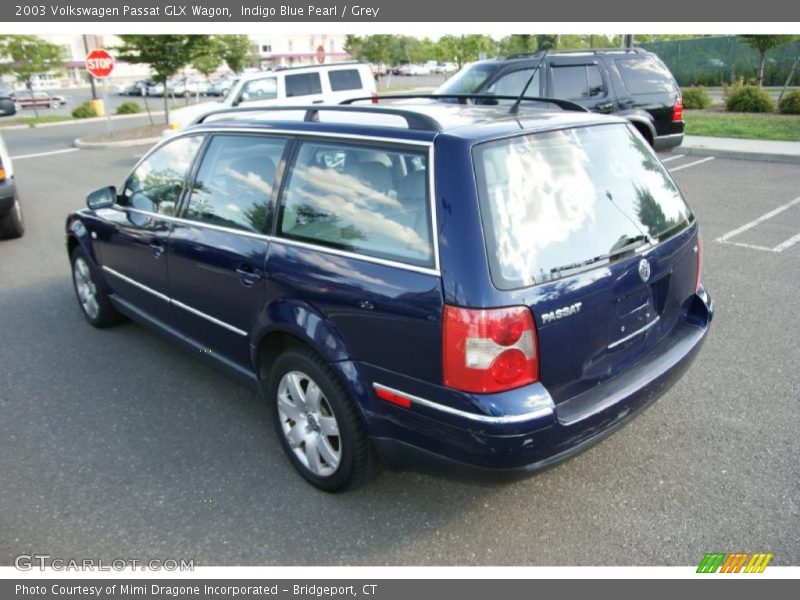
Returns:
(712, 61)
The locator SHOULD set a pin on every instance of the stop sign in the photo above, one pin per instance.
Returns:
(99, 63)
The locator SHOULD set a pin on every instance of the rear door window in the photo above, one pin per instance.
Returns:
(260, 89)
(303, 84)
(557, 203)
(577, 82)
(345, 79)
(233, 186)
(645, 75)
(362, 199)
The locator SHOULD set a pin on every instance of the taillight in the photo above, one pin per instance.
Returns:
(699, 265)
(374, 97)
(677, 110)
(489, 350)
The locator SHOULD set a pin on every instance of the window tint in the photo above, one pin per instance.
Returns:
(157, 182)
(468, 79)
(303, 84)
(553, 204)
(577, 82)
(361, 199)
(645, 75)
(233, 186)
(260, 89)
(346, 79)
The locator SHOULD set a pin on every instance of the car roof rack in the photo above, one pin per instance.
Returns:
(414, 120)
(562, 104)
(347, 63)
(539, 53)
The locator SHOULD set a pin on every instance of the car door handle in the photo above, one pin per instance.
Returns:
(248, 275)
(157, 248)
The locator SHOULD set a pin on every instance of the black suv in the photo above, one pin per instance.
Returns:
(630, 83)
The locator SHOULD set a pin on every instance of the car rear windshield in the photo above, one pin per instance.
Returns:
(560, 202)
(645, 75)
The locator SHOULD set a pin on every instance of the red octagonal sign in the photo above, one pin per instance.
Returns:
(99, 63)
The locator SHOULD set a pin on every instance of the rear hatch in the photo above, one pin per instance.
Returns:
(586, 227)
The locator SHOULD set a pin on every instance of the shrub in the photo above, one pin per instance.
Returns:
(84, 111)
(790, 103)
(695, 97)
(128, 108)
(749, 98)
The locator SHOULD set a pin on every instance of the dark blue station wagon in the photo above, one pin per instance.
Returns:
(428, 286)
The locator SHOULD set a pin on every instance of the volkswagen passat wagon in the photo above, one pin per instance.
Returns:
(435, 287)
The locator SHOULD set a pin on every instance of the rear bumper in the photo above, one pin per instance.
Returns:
(500, 449)
(664, 142)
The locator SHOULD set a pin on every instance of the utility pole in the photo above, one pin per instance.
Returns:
(91, 79)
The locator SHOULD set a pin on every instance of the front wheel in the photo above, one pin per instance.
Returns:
(317, 423)
(93, 300)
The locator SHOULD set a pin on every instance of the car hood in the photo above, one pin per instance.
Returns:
(181, 117)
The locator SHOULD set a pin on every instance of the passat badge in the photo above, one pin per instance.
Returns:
(644, 269)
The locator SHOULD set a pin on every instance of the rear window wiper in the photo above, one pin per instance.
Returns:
(629, 244)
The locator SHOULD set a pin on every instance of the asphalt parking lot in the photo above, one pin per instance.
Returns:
(116, 443)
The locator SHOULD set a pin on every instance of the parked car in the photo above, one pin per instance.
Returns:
(155, 88)
(633, 84)
(12, 224)
(188, 86)
(135, 88)
(404, 69)
(7, 105)
(430, 287)
(27, 99)
(327, 84)
(220, 86)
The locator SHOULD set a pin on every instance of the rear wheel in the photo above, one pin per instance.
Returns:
(13, 224)
(317, 423)
(93, 300)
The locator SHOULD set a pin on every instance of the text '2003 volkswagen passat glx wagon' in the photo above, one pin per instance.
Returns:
(423, 286)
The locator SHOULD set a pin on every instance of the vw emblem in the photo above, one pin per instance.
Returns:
(644, 270)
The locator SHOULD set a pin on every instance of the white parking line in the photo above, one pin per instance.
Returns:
(725, 239)
(38, 154)
(676, 157)
(692, 164)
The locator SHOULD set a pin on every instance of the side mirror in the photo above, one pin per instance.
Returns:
(103, 198)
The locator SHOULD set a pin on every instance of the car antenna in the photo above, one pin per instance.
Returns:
(515, 107)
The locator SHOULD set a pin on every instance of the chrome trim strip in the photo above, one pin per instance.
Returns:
(346, 254)
(135, 283)
(174, 302)
(635, 333)
(547, 408)
(209, 318)
(322, 134)
(171, 219)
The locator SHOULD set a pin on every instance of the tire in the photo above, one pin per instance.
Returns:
(92, 298)
(13, 224)
(337, 462)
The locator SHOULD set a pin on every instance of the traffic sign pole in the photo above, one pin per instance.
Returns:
(108, 108)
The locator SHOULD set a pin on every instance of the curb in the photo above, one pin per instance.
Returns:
(81, 121)
(740, 154)
(79, 143)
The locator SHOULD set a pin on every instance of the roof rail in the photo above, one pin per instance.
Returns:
(634, 50)
(492, 99)
(414, 120)
(322, 66)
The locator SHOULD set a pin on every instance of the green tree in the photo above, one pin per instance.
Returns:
(208, 60)
(165, 54)
(353, 45)
(463, 48)
(30, 56)
(764, 43)
(236, 51)
(375, 48)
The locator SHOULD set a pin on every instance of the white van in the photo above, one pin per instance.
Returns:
(313, 84)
